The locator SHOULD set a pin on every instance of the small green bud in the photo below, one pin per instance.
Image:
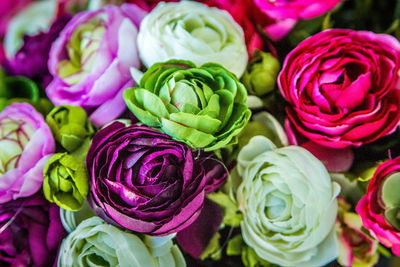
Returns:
(261, 73)
(65, 181)
(70, 126)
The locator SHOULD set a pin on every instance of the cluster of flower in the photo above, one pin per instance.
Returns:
(148, 133)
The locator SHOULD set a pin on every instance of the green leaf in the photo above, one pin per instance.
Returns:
(232, 216)
(235, 246)
(327, 23)
(213, 248)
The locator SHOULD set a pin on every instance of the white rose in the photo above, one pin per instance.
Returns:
(192, 31)
(289, 204)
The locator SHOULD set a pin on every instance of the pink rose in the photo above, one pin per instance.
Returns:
(379, 207)
(343, 87)
(26, 143)
(91, 58)
(296, 9)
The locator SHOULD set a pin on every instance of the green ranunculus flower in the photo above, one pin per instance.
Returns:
(203, 107)
(261, 73)
(96, 243)
(65, 181)
(70, 126)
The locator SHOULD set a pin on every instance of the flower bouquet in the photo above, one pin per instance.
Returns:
(199, 133)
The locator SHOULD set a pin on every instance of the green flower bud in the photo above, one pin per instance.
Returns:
(70, 126)
(261, 73)
(65, 181)
(17, 89)
(203, 107)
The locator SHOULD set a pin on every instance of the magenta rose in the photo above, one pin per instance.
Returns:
(143, 180)
(296, 9)
(343, 87)
(91, 58)
(26, 143)
(379, 208)
(31, 232)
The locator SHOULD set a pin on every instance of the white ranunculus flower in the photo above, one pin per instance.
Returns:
(289, 204)
(192, 31)
(96, 243)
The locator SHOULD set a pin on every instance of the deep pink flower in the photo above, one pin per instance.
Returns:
(343, 87)
(379, 207)
(296, 9)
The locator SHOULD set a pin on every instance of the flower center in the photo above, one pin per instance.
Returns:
(391, 199)
(208, 34)
(276, 205)
(14, 136)
(81, 51)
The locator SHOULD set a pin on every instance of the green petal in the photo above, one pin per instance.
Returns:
(67, 201)
(202, 123)
(233, 128)
(188, 108)
(47, 190)
(192, 137)
(226, 105)
(146, 106)
(212, 109)
(81, 180)
(65, 185)
(183, 93)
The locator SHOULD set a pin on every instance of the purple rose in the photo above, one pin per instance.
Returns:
(31, 59)
(26, 143)
(147, 182)
(91, 58)
(30, 232)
